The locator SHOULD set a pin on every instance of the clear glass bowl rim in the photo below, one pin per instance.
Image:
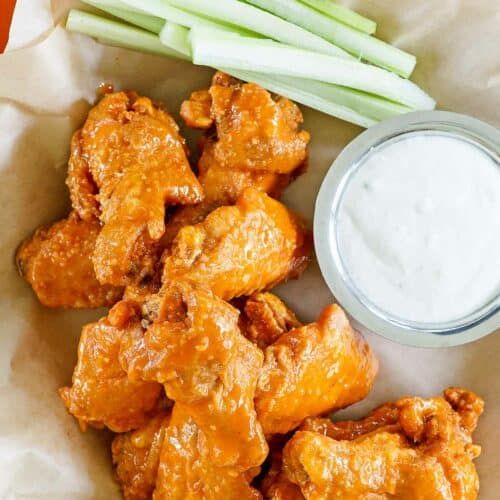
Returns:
(467, 329)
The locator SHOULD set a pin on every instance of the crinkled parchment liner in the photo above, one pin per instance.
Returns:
(45, 90)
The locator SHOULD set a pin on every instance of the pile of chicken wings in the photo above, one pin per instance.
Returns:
(213, 386)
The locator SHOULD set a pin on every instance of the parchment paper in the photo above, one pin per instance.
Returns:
(47, 83)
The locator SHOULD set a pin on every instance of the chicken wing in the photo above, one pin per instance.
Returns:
(242, 249)
(256, 143)
(313, 370)
(427, 453)
(102, 394)
(187, 470)
(128, 162)
(254, 131)
(195, 348)
(56, 262)
(265, 318)
(136, 457)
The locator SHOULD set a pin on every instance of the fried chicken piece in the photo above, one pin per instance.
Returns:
(195, 348)
(385, 416)
(136, 457)
(380, 466)
(56, 262)
(254, 131)
(242, 249)
(265, 318)
(313, 370)
(222, 187)
(187, 470)
(257, 143)
(427, 453)
(128, 162)
(102, 394)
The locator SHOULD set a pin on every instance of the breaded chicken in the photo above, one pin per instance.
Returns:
(187, 470)
(102, 395)
(252, 140)
(427, 453)
(195, 348)
(136, 457)
(127, 163)
(313, 370)
(265, 318)
(239, 250)
(254, 131)
(56, 262)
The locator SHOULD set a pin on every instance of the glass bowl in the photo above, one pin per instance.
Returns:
(479, 323)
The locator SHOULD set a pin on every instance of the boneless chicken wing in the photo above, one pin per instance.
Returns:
(56, 262)
(128, 162)
(254, 131)
(102, 394)
(187, 470)
(413, 449)
(240, 250)
(195, 348)
(313, 370)
(252, 140)
(136, 457)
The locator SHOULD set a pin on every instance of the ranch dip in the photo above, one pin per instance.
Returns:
(418, 228)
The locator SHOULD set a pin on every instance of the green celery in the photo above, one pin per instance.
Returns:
(256, 20)
(149, 23)
(303, 96)
(164, 10)
(117, 33)
(176, 37)
(359, 44)
(272, 58)
(344, 15)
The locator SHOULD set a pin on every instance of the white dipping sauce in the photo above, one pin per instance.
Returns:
(418, 228)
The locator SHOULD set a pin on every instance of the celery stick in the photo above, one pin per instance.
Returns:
(257, 20)
(344, 15)
(359, 44)
(163, 10)
(368, 105)
(246, 54)
(149, 23)
(316, 92)
(300, 94)
(117, 33)
(176, 37)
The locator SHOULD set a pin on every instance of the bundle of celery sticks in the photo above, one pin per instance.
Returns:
(316, 52)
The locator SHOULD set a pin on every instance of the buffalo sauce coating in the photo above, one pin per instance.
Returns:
(413, 448)
(252, 140)
(136, 457)
(264, 318)
(239, 250)
(187, 470)
(128, 162)
(56, 262)
(195, 348)
(254, 130)
(313, 370)
(102, 394)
